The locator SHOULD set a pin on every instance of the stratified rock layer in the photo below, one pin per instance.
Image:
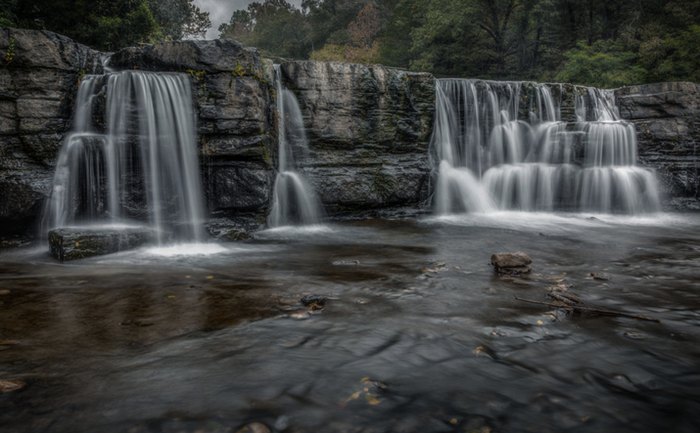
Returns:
(369, 130)
(667, 118)
(369, 127)
(237, 137)
(39, 76)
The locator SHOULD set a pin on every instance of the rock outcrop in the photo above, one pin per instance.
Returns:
(369, 130)
(39, 76)
(234, 100)
(369, 127)
(667, 118)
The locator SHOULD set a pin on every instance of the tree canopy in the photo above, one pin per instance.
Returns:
(108, 24)
(595, 42)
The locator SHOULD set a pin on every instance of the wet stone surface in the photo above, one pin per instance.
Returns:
(415, 333)
(79, 243)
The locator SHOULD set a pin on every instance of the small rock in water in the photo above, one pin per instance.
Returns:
(634, 335)
(4, 292)
(137, 322)
(599, 276)
(254, 427)
(346, 263)
(314, 302)
(11, 385)
(511, 263)
(299, 315)
(434, 268)
(282, 423)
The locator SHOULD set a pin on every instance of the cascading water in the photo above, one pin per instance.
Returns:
(489, 159)
(141, 164)
(294, 201)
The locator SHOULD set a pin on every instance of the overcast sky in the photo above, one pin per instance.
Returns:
(220, 11)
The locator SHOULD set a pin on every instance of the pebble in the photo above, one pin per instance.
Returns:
(299, 315)
(254, 427)
(314, 302)
(11, 385)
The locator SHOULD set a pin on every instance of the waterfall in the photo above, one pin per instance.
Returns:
(141, 164)
(294, 201)
(490, 158)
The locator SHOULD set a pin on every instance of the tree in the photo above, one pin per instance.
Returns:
(110, 24)
(8, 18)
(602, 64)
(180, 18)
(274, 26)
(365, 27)
(362, 45)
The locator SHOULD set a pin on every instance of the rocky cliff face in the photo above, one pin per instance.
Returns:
(39, 76)
(369, 127)
(667, 118)
(234, 99)
(369, 130)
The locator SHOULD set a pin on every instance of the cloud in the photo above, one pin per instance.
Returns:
(220, 11)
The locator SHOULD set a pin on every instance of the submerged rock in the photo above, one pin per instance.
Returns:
(254, 427)
(511, 263)
(314, 302)
(11, 385)
(79, 243)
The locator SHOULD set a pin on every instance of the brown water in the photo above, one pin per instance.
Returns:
(417, 335)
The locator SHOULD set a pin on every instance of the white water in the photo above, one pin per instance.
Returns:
(489, 159)
(294, 201)
(141, 165)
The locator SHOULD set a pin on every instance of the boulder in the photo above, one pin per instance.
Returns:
(511, 263)
(83, 242)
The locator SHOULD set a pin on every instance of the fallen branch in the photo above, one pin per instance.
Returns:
(590, 309)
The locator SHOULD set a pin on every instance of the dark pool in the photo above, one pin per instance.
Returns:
(417, 334)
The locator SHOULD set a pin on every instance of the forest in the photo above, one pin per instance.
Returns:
(592, 42)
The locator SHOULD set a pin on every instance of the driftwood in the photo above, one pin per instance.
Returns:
(573, 305)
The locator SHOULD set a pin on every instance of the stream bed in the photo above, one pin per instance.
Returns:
(417, 333)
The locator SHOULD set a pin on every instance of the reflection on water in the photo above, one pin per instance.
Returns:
(417, 334)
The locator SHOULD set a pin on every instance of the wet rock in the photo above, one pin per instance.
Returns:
(299, 315)
(600, 276)
(11, 385)
(346, 262)
(79, 243)
(254, 427)
(4, 292)
(511, 263)
(232, 87)
(314, 302)
(435, 268)
(137, 323)
(667, 119)
(370, 391)
(208, 56)
(235, 228)
(37, 87)
(369, 131)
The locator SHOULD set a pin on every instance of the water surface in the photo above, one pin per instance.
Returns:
(417, 333)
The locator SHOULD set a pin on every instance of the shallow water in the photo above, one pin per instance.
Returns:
(417, 335)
